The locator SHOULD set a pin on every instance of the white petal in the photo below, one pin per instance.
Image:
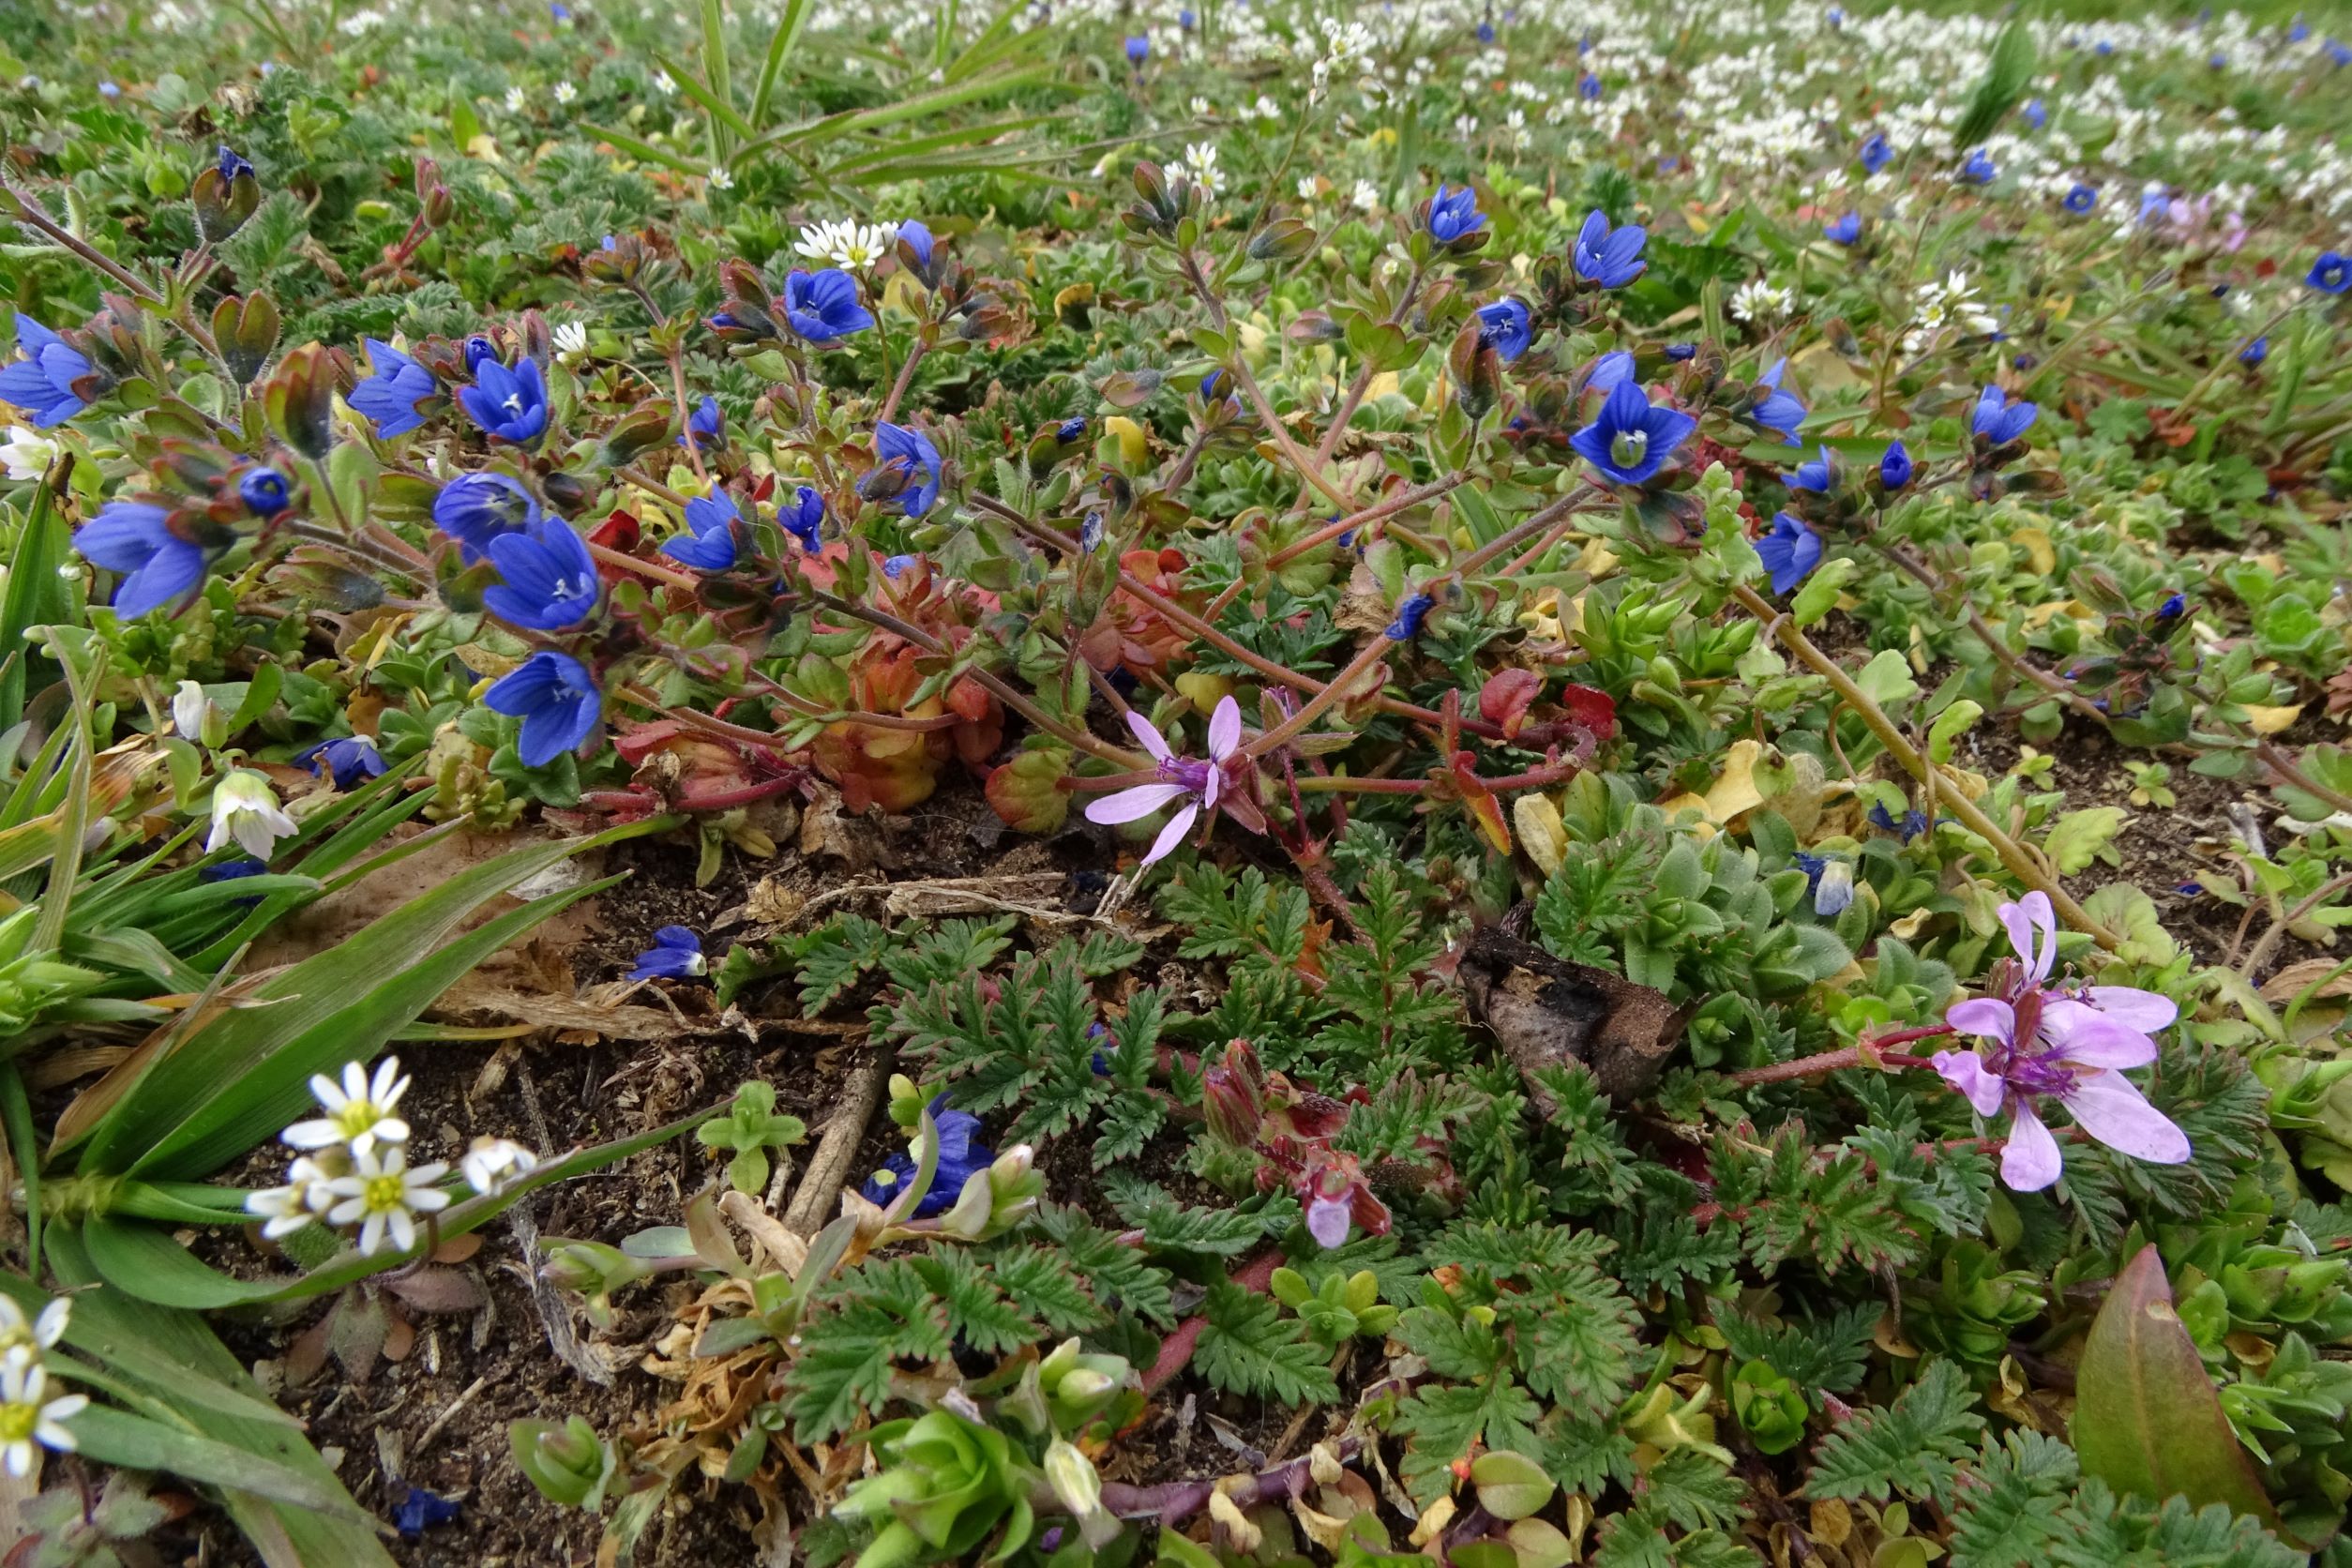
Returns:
(403, 1229)
(1129, 805)
(328, 1092)
(311, 1134)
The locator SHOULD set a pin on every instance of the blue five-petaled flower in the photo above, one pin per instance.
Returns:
(549, 580)
(509, 404)
(1775, 410)
(675, 955)
(1875, 153)
(905, 450)
(1506, 327)
(475, 508)
(557, 699)
(138, 540)
(42, 383)
(1453, 214)
(822, 307)
(961, 1157)
(2081, 198)
(1894, 466)
(706, 428)
(1998, 420)
(350, 760)
(1410, 614)
(804, 519)
(1633, 437)
(714, 534)
(1611, 258)
(1790, 552)
(2331, 274)
(1844, 231)
(1814, 475)
(394, 396)
(1979, 168)
(265, 492)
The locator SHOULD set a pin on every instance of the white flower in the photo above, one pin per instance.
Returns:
(1200, 167)
(1366, 196)
(664, 85)
(27, 453)
(358, 1111)
(1268, 109)
(22, 1339)
(1309, 188)
(28, 1417)
(1759, 301)
(1200, 107)
(490, 1162)
(572, 340)
(309, 1193)
(245, 808)
(719, 179)
(848, 243)
(383, 1193)
(566, 92)
(189, 707)
(515, 101)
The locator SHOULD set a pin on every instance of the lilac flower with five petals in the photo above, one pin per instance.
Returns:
(1198, 784)
(2052, 1043)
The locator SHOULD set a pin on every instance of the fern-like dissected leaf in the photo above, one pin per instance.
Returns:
(1116, 1273)
(1577, 1335)
(2011, 1519)
(1910, 1446)
(873, 1315)
(1440, 1422)
(950, 950)
(1042, 1282)
(979, 1312)
(832, 956)
(1248, 1347)
(1169, 1226)
(1819, 1355)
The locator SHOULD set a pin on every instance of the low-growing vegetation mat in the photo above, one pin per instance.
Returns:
(1088, 782)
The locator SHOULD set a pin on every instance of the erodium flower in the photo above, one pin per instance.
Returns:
(2055, 1043)
(1197, 784)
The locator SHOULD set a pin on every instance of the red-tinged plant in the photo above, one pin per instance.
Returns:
(1290, 1128)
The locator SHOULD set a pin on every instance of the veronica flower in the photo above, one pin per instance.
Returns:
(477, 508)
(1611, 258)
(675, 955)
(509, 404)
(1505, 327)
(1830, 879)
(1875, 153)
(1197, 784)
(383, 1194)
(1632, 437)
(1844, 231)
(1410, 614)
(1790, 552)
(359, 1110)
(2331, 274)
(1894, 468)
(714, 534)
(557, 699)
(42, 383)
(961, 1157)
(548, 578)
(265, 492)
(138, 541)
(2036, 116)
(352, 760)
(2255, 352)
(1998, 420)
(2052, 1043)
(805, 518)
(1815, 475)
(914, 239)
(246, 809)
(2081, 198)
(706, 428)
(1775, 410)
(1979, 168)
(1139, 49)
(394, 396)
(904, 453)
(1453, 214)
(822, 307)
(1610, 372)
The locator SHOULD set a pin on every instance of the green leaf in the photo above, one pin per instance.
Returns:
(1818, 596)
(36, 596)
(1910, 1446)
(2077, 838)
(2147, 1420)
(2004, 82)
(780, 44)
(1249, 1347)
(1887, 678)
(143, 1261)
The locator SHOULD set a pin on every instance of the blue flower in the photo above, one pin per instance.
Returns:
(549, 580)
(1875, 153)
(421, 1510)
(895, 566)
(1610, 372)
(1610, 259)
(1790, 552)
(230, 165)
(1588, 87)
(2255, 352)
(1814, 475)
(675, 955)
(1830, 881)
(2081, 198)
(916, 236)
(1139, 49)
(2331, 274)
(1777, 411)
(556, 699)
(1894, 468)
(960, 1159)
(1410, 614)
(1913, 823)
(2036, 116)
(1506, 327)
(1184, 19)
(394, 396)
(1681, 353)
(42, 383)
(475, 508)
(264, 490)
(1979, 168)
(1453, 214)
(904, 450)
(1090, 533)
(1485, 32)
(137, 539)
(1846, 229)
(352, 759)
(2154, 202)
(712, 537)
(805, 518)
(1633, 437)
(2172, 608)
(706, 428)
(2340, 53)
(233, 870)
(823, 306)
(2299, 30)
(1998, 420)
(509, 405)
(480, 351)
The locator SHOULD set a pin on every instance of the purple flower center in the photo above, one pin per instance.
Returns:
(1193, 776)
(2046, 1073)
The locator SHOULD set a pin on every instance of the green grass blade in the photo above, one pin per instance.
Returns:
(142, 1260)
(780, 46)
(643, 150)
(36, 595)
(714, 69)
(695, 88)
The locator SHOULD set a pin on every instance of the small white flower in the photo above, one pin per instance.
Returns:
(358, 1110)
(1200, 107)
(24, 1339)
(664, 85)
(1756, 300)
(1200, 167)
(490, 1162)
(383, 1193)
(27, 453)
(572, 340)
(28, 1417)
(566, 92)
(1268, 109)
(244, 808)
(516, 99)
(1309, 188)
(848, 243)
(1366, 196)
(189, 707)
(307, 1195)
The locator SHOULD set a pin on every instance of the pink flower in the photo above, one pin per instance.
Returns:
(1179, 777)
(2051, 1043)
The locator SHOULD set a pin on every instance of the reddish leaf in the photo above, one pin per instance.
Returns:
(1506, 696)
(1590, 707)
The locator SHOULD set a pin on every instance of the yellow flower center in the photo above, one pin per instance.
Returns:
(385, 1194)
(357, 1117)
(17, 1422)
